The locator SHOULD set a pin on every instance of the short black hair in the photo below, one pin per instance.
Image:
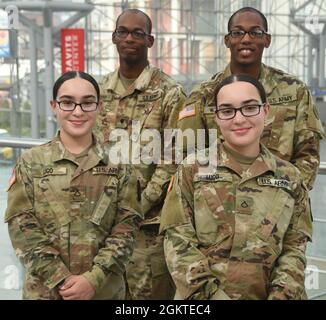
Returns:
(137, 11)
(248, 9)
(244, 78)
(72, 75)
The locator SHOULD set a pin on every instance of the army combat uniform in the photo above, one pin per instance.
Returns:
(153, 101)
(68, 215)
(292, 129)
(237, 234)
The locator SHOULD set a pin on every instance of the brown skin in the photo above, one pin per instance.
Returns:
(249, 62)
(133, 53)
(76, 288)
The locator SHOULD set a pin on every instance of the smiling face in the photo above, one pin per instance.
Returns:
(241, 133)
(76, 124)
(132, 50)
(247, 50)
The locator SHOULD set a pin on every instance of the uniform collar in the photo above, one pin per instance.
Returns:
(96, 153)
(140, 84)
(265, 162)
(265, 78)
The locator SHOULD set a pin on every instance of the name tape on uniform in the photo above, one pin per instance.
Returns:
(48, 171)
(279, 183)
(213, 177)
(150, 97)
(283, 99)
(106, 170)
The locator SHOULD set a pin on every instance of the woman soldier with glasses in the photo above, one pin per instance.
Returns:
(71, 218)
(237, 228)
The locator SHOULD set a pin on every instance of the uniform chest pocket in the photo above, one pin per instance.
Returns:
(279, 130)
(150, 105)
(213, 218)
(209, 113)
(274, 225)
(50, 197)
(106, 207)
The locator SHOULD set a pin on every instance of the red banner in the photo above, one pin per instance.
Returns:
(72, 50)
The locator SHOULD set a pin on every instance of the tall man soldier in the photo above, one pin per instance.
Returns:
(293, 128)
(139, 92)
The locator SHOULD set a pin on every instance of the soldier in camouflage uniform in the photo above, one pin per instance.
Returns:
(139, 93)
(293, 128)
(71, 219)
(238, 227)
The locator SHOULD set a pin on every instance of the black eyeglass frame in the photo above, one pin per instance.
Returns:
(77, 104)
(136, 34)
(259, 105)
(249, 32)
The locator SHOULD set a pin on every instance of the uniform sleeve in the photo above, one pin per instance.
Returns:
(309, 131)
(188, 266)
(287, 279)
(155, 191)
(32, 246)
(119, 245)
(101, 120)
(192, 118)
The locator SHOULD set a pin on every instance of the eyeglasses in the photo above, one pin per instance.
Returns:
(136, 34)
(254, 34)
(67, 105)
(249, 110)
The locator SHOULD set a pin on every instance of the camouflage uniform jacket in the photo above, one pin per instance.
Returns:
(293, 128)
(237, 235)
(153, 101)
(66, 218)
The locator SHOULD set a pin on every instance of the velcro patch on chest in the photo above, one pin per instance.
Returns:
(273, 182)
(77, 193)
(244, 205)
(105, 170)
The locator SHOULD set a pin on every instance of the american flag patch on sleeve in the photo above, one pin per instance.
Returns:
(188, 111)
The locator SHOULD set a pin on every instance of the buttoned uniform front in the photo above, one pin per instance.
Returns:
(237, 235)
(153, 101)
(292, 130)
(71, 218)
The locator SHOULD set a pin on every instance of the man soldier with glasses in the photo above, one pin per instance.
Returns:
(293, 128)
(142, 95)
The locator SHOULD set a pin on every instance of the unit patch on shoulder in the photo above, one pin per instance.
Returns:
(171, 184)
(12, 180)
(188, 111)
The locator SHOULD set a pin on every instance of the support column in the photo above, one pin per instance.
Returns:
(49, 77)
(34, 85)
(322, 47)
